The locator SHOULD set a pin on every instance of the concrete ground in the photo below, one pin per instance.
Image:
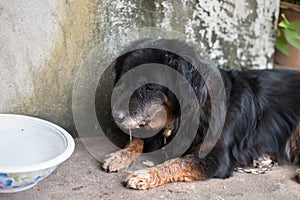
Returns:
(80, 177)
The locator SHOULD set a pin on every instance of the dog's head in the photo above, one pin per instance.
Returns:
(152, 106)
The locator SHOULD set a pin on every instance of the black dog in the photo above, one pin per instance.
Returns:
(262, 118)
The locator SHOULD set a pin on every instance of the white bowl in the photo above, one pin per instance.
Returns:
(30, 149)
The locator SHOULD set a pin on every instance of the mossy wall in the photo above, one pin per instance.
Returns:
(44, 43)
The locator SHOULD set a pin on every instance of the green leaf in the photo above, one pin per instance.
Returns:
(291, 33)
(292, 37)
(284, 18)
(294, 25)
(283, 24)
(281, 45)
(278, 33)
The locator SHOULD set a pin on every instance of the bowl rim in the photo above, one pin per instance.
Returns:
(69, 149)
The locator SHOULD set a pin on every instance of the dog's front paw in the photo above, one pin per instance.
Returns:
(116, 161)
(140, 180)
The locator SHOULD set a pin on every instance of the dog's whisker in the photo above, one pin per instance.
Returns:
(130, 136)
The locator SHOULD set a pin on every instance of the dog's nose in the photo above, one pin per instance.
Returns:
(119, 116)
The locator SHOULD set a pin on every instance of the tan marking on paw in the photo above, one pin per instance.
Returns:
(123, 158)
(178, 169)
(116, 161)
(140, 180)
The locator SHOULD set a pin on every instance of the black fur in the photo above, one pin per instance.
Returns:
(263, 106)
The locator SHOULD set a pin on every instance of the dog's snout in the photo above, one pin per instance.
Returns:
(119, 116)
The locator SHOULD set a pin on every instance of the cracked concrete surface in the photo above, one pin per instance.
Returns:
(80, 177)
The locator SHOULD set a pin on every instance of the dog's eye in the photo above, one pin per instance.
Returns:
(134, 112)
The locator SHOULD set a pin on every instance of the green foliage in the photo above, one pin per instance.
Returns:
(287, 34)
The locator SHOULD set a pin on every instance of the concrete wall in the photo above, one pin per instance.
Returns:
(44, 43)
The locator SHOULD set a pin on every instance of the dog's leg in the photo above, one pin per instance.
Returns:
(296, 153)
(179, 169)
(293, 150)
(124, 157)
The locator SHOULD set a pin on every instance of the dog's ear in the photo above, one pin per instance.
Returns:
(189, 77)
